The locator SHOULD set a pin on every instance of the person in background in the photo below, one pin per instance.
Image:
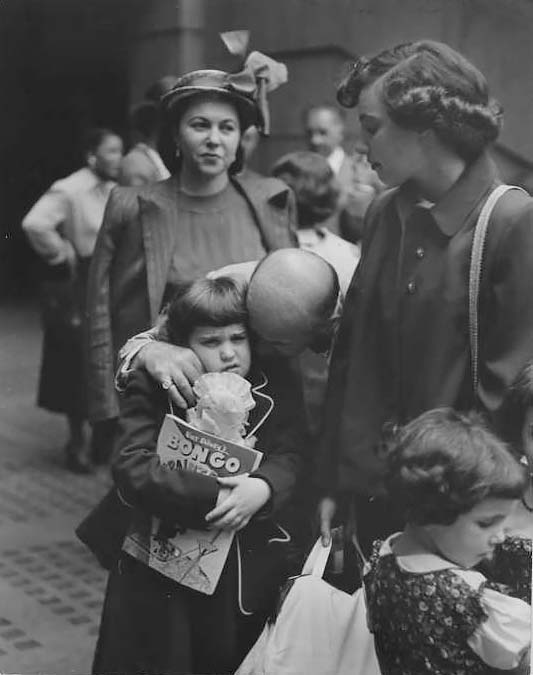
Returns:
(249, 142)
(62, 228)
(430, 608)
(203, 217)
(403, 345)
(143, 163)
(317, 193)
(324, 128)
(316, 190)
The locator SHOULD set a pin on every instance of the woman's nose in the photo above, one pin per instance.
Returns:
(214, 136)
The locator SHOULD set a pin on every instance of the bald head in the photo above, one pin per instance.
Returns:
(291, 298)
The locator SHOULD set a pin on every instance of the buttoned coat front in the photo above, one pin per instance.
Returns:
(131, 263)
(403, 345)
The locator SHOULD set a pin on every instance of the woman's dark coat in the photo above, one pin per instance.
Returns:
(403, 344)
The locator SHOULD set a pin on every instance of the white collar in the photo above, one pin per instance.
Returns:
(417, 559)
(336, 159)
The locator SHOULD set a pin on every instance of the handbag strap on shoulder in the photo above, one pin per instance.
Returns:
(476, 263)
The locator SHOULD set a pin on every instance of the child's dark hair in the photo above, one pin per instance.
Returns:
(444, 462)
(314, 185)
(205, 302)
(518, 398)
(428, 85)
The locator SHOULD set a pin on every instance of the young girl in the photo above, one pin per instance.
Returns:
(151, 623)
(517, 429)
(430, 611)
(512, 559)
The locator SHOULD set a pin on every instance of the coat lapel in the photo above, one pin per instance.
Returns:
(159, 216)
(267, 199)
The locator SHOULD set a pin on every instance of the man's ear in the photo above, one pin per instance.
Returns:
(91, 160)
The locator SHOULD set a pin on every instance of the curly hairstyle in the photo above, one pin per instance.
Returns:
(444, 463)
(313, 183)
(205, 302)
(428, 85)
(518, 399)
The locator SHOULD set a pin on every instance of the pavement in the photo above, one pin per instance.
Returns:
(51, 588)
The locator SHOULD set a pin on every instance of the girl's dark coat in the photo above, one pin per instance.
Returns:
(259, 560)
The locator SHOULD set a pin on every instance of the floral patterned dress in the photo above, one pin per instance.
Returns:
(429, 616)
(511, 567)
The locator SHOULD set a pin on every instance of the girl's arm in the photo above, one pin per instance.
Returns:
(503, 641)
(182, 498)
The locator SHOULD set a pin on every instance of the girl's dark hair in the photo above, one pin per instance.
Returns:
(314, 185)
(93, 138)
(178, 109)
(444, 463)
(205, 302)
(518, 398)
(428, 85)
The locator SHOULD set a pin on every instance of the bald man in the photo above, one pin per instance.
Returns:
(293, 304)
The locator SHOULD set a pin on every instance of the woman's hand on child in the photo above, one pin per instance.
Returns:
(175, 368)
(247, 496)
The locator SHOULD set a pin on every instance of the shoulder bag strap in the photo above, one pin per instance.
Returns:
(476, 262)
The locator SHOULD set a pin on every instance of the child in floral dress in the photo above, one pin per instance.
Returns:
(512, 559)
(429, 609)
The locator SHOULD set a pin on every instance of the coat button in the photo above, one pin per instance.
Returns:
(420, 252)
(411, 287)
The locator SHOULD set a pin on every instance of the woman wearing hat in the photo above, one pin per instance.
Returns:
(204, 217)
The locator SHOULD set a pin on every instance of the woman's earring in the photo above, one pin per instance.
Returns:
(177, 153)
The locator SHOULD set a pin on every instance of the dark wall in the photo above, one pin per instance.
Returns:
(62, 69)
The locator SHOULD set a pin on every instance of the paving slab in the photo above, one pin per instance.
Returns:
(51, 588)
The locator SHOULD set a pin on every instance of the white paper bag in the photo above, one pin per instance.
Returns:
(320, 630)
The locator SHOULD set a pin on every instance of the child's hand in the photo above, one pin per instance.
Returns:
(247, 496)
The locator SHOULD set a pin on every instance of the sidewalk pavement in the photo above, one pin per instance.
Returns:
(51, 588)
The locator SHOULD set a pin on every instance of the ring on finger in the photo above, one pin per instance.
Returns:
(166, 383)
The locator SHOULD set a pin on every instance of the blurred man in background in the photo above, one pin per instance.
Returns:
(324, 129)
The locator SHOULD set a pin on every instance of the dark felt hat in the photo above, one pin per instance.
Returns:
(239, 88)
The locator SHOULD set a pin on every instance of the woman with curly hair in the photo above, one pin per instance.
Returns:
(457, 486)
(403, 347)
